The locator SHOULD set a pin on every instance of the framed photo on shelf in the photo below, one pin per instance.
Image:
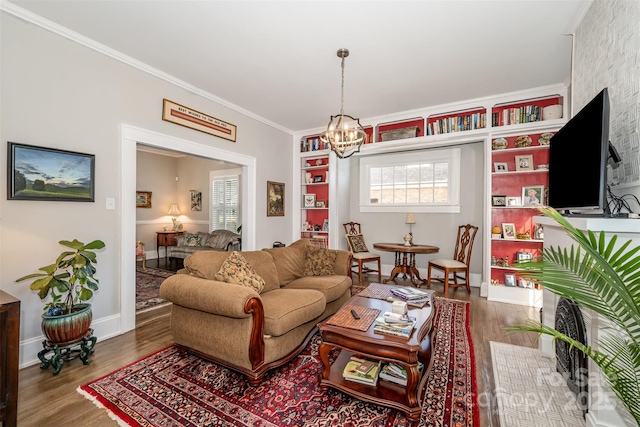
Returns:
(524, 163)
(537, 232)
(317, 178)
(524, 283)
(532, 195)
(498, 200)
(508, 230)
(320, 204)
(325, 225)
(500, 167)
(514, 201)
(510, 279)
(309, 200)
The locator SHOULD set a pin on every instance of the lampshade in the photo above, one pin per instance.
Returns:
(344, 133)
(410, 219)
(173, 210)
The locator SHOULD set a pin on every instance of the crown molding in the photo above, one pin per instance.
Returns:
(46, 24)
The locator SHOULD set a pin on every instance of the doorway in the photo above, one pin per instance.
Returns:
(131, 136)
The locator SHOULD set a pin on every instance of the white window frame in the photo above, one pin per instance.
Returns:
(223, 174)
(449, 155)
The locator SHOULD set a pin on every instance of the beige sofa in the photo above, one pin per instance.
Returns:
(250, 331)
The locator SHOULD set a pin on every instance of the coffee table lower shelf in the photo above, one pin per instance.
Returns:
(385, 393)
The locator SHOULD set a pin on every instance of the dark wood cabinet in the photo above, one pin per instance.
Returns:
(166, 238)
(9, 352)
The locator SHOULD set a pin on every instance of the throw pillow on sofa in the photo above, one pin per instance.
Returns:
(319, 261)
(235, 269)
(192, 239)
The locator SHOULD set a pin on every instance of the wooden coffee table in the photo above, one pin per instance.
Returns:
(407, 352)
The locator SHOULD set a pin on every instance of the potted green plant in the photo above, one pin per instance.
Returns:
(69, 283)
(605, 278)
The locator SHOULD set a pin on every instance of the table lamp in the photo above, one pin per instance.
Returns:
(410, 220)
(174, 212)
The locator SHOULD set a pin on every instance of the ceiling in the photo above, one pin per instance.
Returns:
(277, 59)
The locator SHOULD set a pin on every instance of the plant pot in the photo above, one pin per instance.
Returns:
(67, 329)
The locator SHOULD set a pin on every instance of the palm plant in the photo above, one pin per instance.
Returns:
(605, 279)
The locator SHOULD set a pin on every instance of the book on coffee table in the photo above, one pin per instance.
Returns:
(381, 326)
(353, 370)
(409, 293)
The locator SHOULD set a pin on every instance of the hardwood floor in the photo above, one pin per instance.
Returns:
(47, 400)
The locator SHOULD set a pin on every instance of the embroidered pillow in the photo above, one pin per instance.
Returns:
(319, 261)
(192, 239)
(212, 240)
(235, 269)
(356, 242)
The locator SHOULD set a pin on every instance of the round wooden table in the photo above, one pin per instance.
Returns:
(406, 260)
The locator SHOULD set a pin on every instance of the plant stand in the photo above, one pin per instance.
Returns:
(82, 349)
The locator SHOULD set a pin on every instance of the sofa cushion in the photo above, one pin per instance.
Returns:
(289, 260)
(333, 286)
(286, 309)
(205, 264)
(236, 269)
(319, 261)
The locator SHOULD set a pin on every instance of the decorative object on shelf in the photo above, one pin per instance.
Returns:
(307, 165)
(552, 112)
(523, 236)
(498, 200)
(495, 282)
(523, 141)
(344, 133)
(538, 231)
(510, 279)
(275, 198)
(496, 229)
(545, 138)
(500, 167)
(174, 212)
(308, 178)
(532, 195)
(320, 204)
(306, 226)
(31, 171)
(508, 230)
(524, 256)
(143, 199)
(514, 201)
(542, 167)
(325, 225)
(185, 116)
(499, 144)
(196, 200)
(494, 260)
(410, 220)
(309, 200)
(317, 178)
(319, 162)
(524, 163)
(402, 133)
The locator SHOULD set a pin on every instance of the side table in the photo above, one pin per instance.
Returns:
(9, 351)
(166, 238)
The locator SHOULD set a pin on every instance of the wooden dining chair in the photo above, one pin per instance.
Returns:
(457, 267)
(359, 252)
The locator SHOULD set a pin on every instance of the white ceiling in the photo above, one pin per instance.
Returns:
(277, 59)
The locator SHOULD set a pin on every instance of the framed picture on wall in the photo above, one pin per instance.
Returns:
(43, 173)
(143, 199)
(275, 198)
(196, 200)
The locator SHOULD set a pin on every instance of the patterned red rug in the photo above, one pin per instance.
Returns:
(171, 389)
(148, 283)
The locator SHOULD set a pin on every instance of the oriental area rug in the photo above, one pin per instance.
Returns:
(170, 388)
(148, 281)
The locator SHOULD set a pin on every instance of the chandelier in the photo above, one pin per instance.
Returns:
(344, 134)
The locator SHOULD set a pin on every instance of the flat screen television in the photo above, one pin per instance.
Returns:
(578, 155)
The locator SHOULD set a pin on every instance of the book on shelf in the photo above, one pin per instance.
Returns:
(409, 293)
(396, 373)
(382, 326)
(361, 370)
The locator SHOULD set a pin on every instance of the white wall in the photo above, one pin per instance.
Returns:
(607, 42)
(57, 93)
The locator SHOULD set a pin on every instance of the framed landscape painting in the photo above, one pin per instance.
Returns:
(42, 173)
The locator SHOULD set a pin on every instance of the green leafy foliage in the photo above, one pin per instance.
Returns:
(71, 276)
(605, 278)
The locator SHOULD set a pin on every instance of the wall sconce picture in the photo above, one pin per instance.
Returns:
(143, 199)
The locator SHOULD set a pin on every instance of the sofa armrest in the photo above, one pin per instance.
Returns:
(210, 296)
(342, 265)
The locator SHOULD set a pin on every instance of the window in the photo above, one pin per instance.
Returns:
(225, 199)
(417, 181)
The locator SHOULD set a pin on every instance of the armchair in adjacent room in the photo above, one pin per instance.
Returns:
(141, 254)
(359, 252)
(457, 267)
